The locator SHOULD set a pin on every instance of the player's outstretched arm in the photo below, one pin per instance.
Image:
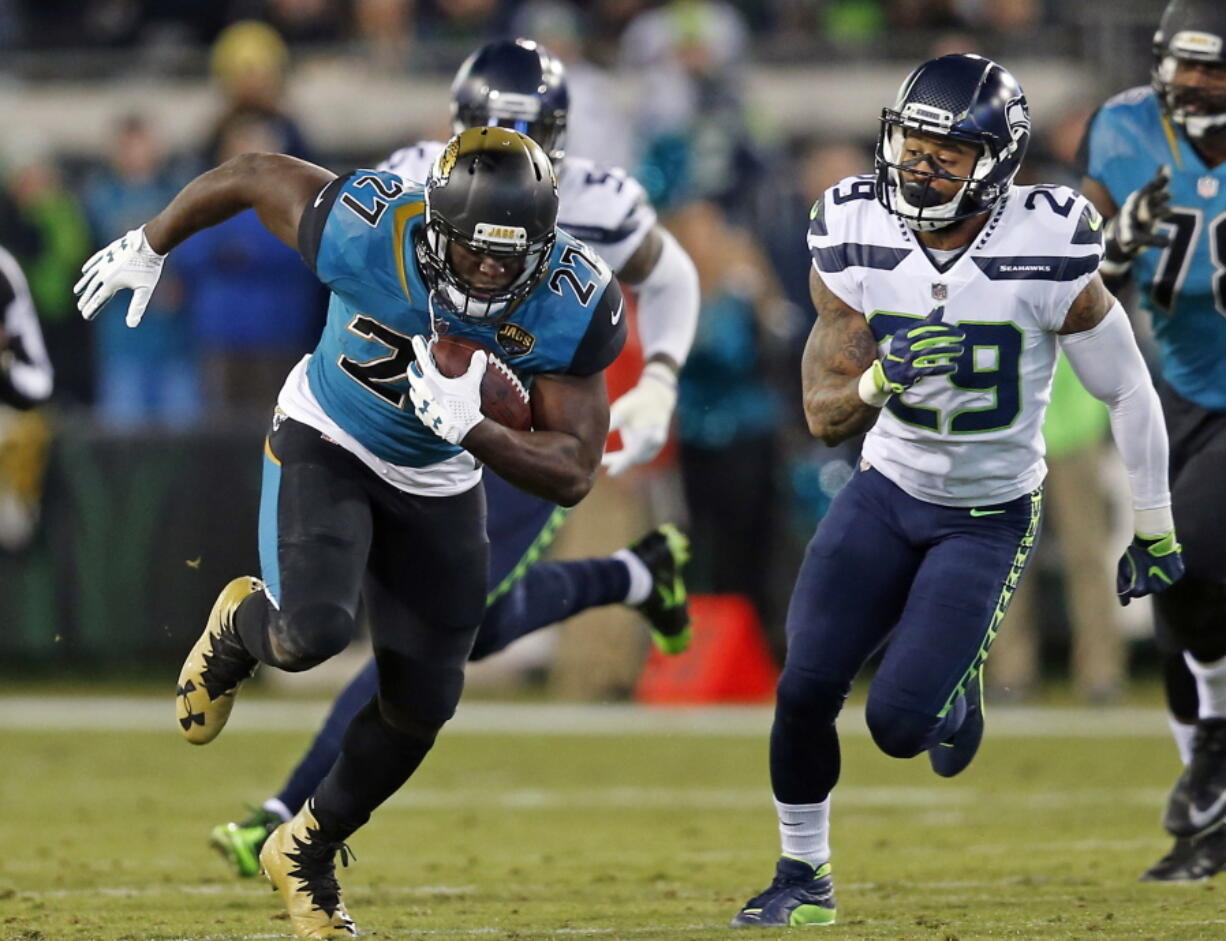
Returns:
(668, 297)
(277, 187)
(840, 348)
(559, 458)
(1100, 346)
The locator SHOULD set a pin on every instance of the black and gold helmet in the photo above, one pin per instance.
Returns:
(493, 192)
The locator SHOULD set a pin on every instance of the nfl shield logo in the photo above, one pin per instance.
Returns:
(940, 292)
(1206, 187)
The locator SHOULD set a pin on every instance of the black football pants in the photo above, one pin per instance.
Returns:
(1191, 615)
(332, 531)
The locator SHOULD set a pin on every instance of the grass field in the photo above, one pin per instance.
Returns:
(535, 823)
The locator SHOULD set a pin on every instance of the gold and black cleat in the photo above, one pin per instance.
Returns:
(301, 864)
(214, 668)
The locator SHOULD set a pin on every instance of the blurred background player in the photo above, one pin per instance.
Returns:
(372, 478)
(26, 381)
(942, 305)
(520, 85)
(1155, 165)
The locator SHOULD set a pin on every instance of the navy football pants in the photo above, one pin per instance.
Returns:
(930, 582)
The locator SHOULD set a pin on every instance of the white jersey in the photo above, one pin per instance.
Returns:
(972, 438)
(603, 206)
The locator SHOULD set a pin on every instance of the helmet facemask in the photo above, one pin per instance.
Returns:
(1200, 110)
(453, 292)
(916, 202)
(522, 113)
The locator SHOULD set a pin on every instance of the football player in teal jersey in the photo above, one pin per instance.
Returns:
(373, 463)
(1154, 160)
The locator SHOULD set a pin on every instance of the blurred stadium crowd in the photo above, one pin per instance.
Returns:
(238, 308)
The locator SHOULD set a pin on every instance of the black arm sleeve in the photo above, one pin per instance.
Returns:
(314, 218)
(605, 336)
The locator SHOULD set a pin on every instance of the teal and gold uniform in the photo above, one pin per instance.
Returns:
(1182, 286)
(359, 237)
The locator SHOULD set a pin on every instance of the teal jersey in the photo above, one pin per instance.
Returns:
(1182, 286)
(358, 237)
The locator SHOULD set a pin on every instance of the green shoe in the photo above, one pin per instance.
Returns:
(665, 551)
(240, 843)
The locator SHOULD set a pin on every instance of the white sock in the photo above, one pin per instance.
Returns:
(640, 576)
(804, 831)
(1210, 686)
(1182, 732)
(272, 805)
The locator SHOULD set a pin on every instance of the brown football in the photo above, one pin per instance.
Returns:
(503, 397)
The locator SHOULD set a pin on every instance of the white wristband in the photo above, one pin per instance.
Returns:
(870, 392)
(1152, 523)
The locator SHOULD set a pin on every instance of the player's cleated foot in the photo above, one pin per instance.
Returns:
(239, 843)
(301, 864)
(798, 895)
(214, 668)
(1198, 801)
(665, 551)
(1191, 859)
(951, 756)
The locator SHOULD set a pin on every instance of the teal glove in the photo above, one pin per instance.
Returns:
(1148, 566)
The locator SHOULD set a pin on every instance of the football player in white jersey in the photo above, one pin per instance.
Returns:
(520, 85)
(943, 294)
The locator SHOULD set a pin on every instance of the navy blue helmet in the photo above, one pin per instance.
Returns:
(1193, 31)
(968, 98)
(515, 84)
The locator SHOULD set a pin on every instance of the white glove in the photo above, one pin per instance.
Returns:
(128, 262)
(448, 407)
(643, 416)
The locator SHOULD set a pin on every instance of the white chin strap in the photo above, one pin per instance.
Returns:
(1200, 125)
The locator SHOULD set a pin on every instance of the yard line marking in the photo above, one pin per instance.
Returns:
(128, 714)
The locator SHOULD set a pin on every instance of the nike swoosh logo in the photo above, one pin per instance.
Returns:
(617, 314)
(320, 198)
(978, 512)
(1095, 221)
(1155, 572)
(1202, 818)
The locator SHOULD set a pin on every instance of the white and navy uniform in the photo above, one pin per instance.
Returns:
(26, 376)
(602, 206)
(926, 543)
(974, 438)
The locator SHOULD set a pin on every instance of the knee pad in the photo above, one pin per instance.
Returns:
(806, 698)
(900, 733)
(311, 634)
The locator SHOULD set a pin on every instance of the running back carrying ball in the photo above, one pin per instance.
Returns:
(503, 397)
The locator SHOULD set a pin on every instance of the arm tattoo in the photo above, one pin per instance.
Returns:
(840, 347)
(1088, 308)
